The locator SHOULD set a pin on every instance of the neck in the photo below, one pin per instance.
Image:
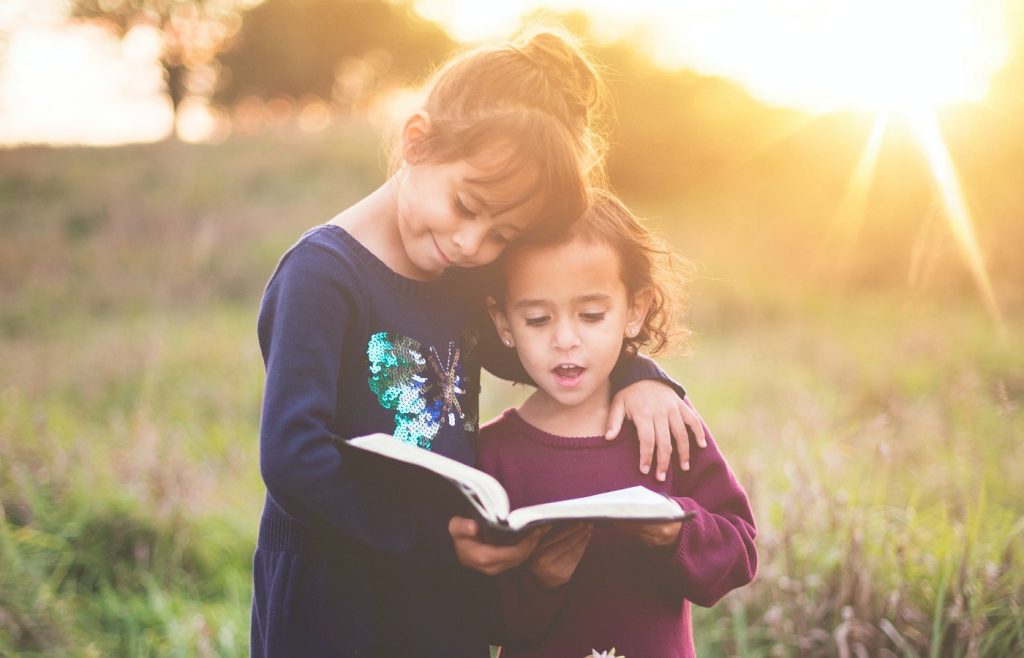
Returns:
(373, 222)
(588, 418)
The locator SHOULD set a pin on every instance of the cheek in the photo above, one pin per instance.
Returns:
(488, 253)
(609, 338)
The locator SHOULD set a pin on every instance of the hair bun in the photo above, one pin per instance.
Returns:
(562, 59)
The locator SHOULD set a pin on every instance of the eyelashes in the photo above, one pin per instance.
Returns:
(462, 209)
(541, 320)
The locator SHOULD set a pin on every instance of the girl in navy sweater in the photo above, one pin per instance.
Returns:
(368, 325)
(571, 310)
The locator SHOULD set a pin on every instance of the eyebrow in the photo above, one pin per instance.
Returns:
(468, 186)
(524, 303)
(592, 297)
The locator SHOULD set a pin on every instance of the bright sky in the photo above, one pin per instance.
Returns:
(811, 54)
(62, 84)
(76, 85)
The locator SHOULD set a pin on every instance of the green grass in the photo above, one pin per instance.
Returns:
(878, 434)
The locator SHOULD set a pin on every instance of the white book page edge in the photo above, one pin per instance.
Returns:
(488, 491)
(636, 502)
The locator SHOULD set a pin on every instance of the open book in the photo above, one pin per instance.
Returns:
(488, 498)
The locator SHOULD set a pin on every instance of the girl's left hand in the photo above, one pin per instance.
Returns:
(653, 534)
(659, 415)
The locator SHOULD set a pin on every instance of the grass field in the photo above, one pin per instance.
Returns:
(877, 429)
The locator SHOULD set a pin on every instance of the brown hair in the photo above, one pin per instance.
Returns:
(646, 262)
(541, 95)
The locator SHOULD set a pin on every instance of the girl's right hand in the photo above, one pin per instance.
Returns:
(559, 553)
(486, 558)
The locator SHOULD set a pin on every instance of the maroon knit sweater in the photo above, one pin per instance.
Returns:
(623, 594)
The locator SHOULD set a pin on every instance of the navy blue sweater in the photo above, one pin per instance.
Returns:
(348, 565)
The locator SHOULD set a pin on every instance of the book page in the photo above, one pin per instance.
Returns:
(635, 503)
(483, 491)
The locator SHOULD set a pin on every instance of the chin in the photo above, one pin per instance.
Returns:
(572, 399)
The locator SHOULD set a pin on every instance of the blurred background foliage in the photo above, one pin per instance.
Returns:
(862, 391)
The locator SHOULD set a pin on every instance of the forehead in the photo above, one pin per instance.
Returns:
(499, 177)
(562, 272)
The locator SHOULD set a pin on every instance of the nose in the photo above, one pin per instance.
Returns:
(469, 238)
(566, 337)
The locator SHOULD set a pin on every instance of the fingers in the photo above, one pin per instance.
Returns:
(554, 565)
(462, 528)
(555, 534)
(570, 544)
(488, 559)
(661, 534)
(678, 427)
(616, 415)
(663, 446)
(693, 421)
(652, 534)
(645, 435)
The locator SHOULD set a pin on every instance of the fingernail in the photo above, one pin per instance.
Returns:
(661, 477)
(645, 468)
(686, 465)
(703, 443)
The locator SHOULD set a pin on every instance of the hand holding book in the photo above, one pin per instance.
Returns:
(489, 559)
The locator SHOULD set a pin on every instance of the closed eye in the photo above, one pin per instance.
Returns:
(537, 321)
(592, 317)
(500, 237)
(461, 208)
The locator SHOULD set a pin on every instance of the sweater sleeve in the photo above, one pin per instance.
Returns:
(308, 308)
(715, 552)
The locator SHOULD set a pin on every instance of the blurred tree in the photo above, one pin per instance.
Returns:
(193, 31)
(338, 50)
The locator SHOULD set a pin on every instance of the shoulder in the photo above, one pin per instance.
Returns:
(495, 433)
(323, 265)
(322, 245)
(496, 436)
(498, 426)
(317, 283)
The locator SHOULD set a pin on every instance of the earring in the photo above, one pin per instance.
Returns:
(508, 342)
(632, 332)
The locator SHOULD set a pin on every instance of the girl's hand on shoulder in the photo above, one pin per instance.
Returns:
(655, 535)
(659, 415)
(558, 554)
(488, 559)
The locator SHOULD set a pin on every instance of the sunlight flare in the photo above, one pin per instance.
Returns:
(926, 129)
(852, 208)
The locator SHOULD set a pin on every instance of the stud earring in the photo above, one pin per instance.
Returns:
(632, 332)
(508, 342)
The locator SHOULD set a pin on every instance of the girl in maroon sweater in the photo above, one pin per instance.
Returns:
(570, 309)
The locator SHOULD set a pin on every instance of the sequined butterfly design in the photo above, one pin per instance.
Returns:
(426, 388)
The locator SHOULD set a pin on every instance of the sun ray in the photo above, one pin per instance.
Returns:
(841, 237)
(926, 129)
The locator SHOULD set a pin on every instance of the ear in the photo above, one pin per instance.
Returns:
(501, 323)
(639, 305)
(415, 129)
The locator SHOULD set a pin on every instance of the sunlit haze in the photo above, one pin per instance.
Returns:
(74, 85)
(816, 55)
(79, 84)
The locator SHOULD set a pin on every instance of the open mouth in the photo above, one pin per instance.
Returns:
(568, 374)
